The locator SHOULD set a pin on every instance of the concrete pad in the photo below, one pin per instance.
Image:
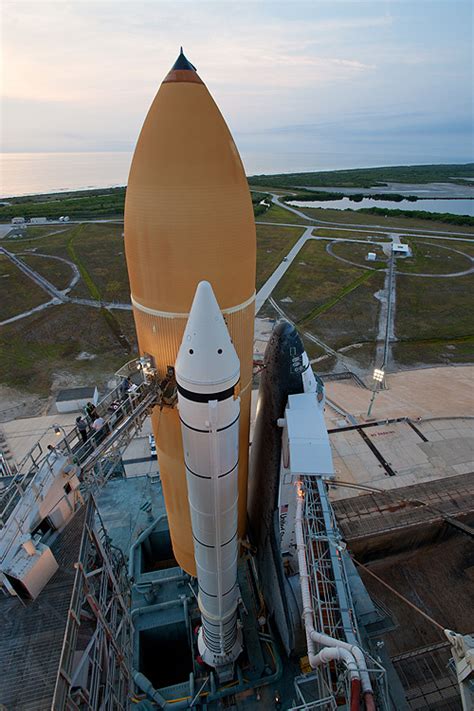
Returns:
(429, 392)
(22, 435)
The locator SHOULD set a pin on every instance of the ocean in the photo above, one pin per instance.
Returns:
(30, 173)
(33, 173)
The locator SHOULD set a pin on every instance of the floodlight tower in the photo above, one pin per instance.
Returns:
(378, 376)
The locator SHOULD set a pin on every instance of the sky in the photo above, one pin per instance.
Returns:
(301, 84)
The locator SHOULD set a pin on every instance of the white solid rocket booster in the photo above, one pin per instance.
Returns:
(207, 376)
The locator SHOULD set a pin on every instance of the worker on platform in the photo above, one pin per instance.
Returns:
(82, 428)
(91, 411)
(100, 429)
(124, 387)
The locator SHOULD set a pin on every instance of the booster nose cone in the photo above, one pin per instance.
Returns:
(207, 362)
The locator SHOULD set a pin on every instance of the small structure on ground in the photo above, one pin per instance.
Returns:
(402, 250)
(74, 399)
(371, 257)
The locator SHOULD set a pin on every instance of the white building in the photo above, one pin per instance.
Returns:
(371, 257)
(75, 399)
(402, 249)
(38, 220)
(18, 220)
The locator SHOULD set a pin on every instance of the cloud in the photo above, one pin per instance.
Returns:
(83, 73)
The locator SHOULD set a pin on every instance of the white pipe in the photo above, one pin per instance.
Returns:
(312, 636)
(329, 654)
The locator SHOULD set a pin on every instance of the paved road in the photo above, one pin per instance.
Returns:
(265, 291)
(58, 295)
(40, 280)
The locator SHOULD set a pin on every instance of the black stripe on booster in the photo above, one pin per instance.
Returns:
(196, 429)
(206, 397)
(211, 595)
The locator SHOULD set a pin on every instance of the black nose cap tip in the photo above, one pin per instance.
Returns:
(183, 63)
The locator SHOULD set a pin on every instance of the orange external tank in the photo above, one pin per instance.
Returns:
(189, 218)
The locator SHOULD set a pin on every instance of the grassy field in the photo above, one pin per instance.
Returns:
(273, 243)
(352, 217)
(329, 298)
(442, 351)
(428, 257)
(461, 246)
(434, 308)
(358, 253)
(34, 231)
(54, 338)
(57, 273)
(19, 293)
(353, 318)
(50, 242)
(433, 258)
(351, 234)
(280, 214)
(368, 177)
(98, 251)
(314, 279)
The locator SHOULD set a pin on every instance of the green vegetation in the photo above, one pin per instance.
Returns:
(55, 337)
(432, 258)
(56, 272)
(328, 298)
(86, 277)
(314, 279)
(427, 257)
(273, 243)
(462, 245)
(334, 301)
(280, 214)
(352, 319)
(435, 308)
(259, 207)
(358, 252)
(19, 293)
(435, 351)
(35, 232)
(65, 195)
(82, 205)
(318, 310)
(447, 217)
(310, 195)
(357, 217)
(98, 251)
(369, 177)
(351, 234)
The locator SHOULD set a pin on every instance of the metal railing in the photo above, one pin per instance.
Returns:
(122, 414)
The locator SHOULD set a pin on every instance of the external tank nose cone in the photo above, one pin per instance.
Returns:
(183, 63)
(182, 71)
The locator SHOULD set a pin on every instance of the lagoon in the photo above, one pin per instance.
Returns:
(463, 206)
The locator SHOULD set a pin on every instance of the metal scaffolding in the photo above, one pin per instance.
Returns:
(330, 593)
(96, 653)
